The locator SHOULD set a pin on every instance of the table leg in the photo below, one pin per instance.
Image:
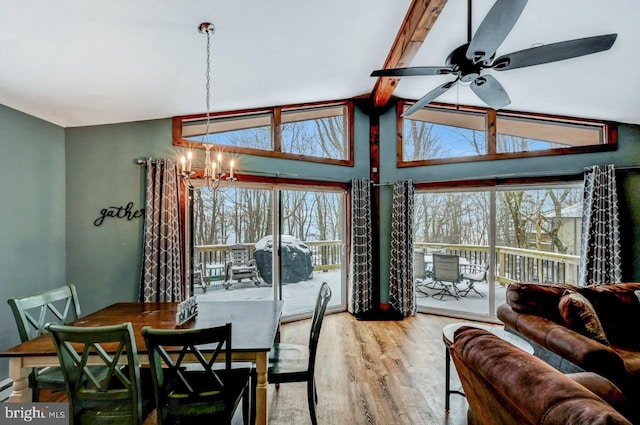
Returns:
(447, 385)
(262, 415)
(21, 391)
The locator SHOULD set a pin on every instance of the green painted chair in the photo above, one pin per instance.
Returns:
(196, 392)
(115, 398)
(297, 363)
(31, 313)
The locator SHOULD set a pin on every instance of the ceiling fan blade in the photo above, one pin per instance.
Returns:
(416, 70)
(494, 29)
(490, 91)
(429, 97)
(554, 52)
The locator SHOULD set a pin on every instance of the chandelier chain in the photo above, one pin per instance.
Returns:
(208, 80)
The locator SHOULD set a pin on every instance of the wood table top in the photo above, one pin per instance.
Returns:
(254, 323)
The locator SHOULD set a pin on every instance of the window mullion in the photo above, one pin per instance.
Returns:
(277, 129)
(492, 133)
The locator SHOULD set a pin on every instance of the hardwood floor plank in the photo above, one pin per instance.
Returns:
(369, 373)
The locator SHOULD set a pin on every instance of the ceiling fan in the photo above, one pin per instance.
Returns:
(468, 61)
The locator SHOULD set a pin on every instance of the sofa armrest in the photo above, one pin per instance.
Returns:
(506, 385)
(578, 349)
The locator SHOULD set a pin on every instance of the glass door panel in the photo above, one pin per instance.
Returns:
(311, 229)
(226, 222)
(311, 248)
(454, 224)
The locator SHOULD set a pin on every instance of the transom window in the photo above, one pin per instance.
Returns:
(445, 134)
(318, 132)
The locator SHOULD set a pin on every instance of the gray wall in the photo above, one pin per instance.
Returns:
(627, 154)
(32, 213)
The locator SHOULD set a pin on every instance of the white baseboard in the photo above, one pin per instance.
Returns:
(5, 389)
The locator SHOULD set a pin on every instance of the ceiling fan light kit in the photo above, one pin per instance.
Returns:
(468, 62)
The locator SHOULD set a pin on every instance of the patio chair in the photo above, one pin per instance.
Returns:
(240, 266)
(446, 275)
(475, 273)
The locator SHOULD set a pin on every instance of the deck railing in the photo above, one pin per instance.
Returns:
(516, 264)
(512, 264)
(325, 255)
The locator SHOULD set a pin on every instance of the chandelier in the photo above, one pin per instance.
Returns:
(214, 171)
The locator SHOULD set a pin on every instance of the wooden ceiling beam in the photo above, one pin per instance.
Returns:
(419, 20)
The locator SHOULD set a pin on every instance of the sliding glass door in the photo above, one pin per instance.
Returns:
(500, 235)
(290, 263)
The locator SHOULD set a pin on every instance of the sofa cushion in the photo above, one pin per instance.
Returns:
(618, 308)
(534, 298)
(579, 315)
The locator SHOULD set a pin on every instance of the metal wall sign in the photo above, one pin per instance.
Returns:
(125, 211)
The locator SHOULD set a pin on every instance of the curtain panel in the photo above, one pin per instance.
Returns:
(402, 295)
(361, 267)
(600, 253)
(162, 262)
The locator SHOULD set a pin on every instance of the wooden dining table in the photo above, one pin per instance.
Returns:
(254, 328)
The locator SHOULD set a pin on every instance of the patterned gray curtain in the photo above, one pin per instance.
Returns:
(600, 261)
(402, 294)
(361, 267)
(163, 263)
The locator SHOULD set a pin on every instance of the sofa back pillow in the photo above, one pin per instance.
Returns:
(579, 315)
(540, 299)
(618, 307)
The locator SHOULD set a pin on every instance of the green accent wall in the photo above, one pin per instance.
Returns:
(32, 213)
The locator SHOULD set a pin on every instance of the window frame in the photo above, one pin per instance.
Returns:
(276, 114)
(609, 132)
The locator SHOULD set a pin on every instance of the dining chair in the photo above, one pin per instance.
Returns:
(31, 313)
(297, 363)
(115, 398)
(446, 274)
(196, 392)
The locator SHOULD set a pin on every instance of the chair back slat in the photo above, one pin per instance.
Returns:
(32, 312)
(324, 296)
(239, 254)
(106, 393)
(182, 385)
(446, 268)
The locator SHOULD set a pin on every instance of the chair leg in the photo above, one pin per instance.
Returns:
(247, 401)
(254, 385)
(312, 398)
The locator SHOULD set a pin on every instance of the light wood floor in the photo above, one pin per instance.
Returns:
(371, 373)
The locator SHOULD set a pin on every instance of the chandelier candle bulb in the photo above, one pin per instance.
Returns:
(183, 164)
(231, 164)
(189, 157)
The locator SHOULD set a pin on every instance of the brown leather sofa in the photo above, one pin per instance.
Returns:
(507, 386)
(568, 341)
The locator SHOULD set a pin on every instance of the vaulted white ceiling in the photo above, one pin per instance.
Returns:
(77, 63)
